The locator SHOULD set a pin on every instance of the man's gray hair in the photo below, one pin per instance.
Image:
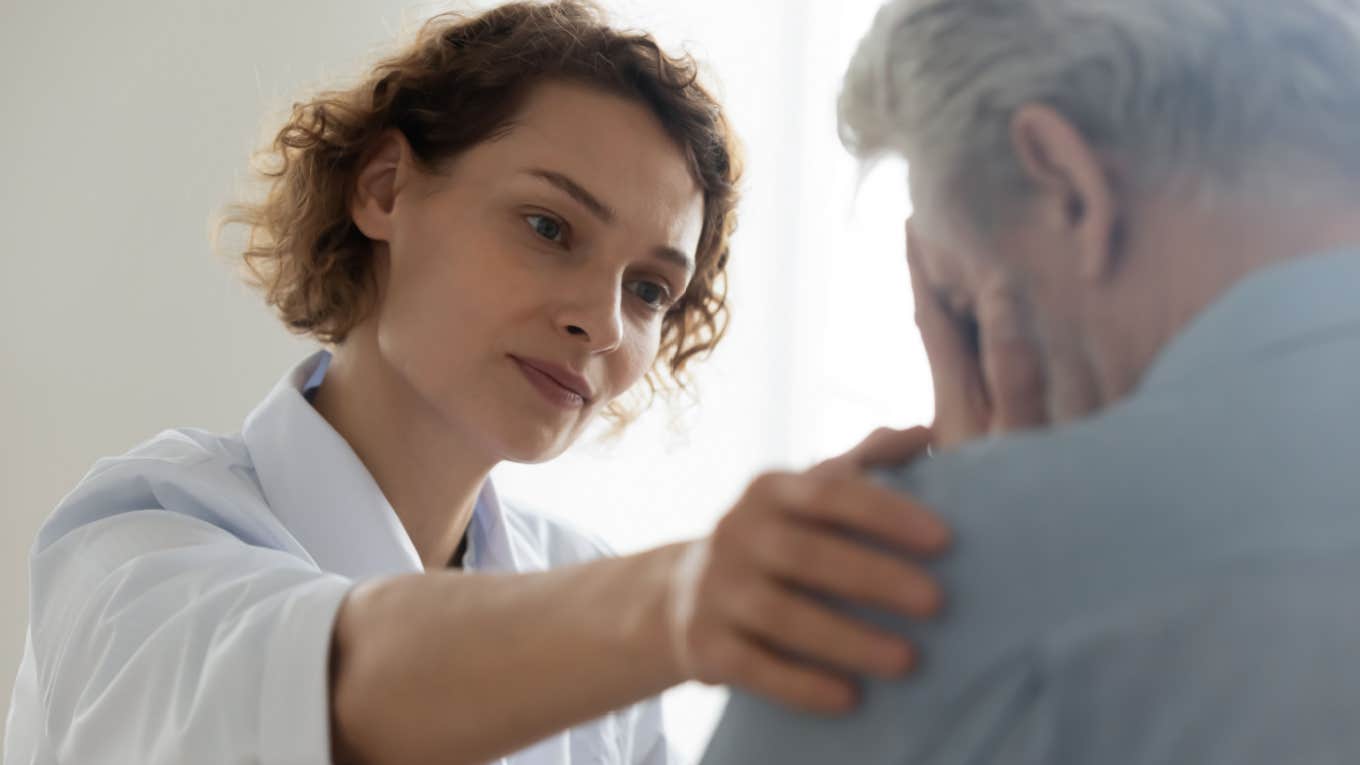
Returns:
(1238, 95)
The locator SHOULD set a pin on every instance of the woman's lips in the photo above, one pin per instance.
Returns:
(554, 391)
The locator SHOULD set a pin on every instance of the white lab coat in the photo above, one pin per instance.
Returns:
(182, 598)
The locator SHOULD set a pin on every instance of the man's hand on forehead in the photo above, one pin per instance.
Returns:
(984, 363)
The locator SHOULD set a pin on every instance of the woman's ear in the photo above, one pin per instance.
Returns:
(383, 171)
(1075, 192)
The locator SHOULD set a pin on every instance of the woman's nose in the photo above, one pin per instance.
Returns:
(595, 317)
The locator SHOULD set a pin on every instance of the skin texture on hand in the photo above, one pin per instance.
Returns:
(743, 608)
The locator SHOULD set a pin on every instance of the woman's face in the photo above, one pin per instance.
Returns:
(523, 288)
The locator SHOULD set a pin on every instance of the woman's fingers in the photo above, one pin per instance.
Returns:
(822, 560)
(748, 605)
(793, 623)
(853, 503)
(886, 447)
(761, 671)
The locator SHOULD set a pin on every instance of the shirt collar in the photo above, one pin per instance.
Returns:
(323, 493)
(1287, 304)
(495, 543)
(318, 487)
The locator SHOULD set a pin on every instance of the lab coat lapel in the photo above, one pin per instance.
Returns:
(495, 544)
(318, 487)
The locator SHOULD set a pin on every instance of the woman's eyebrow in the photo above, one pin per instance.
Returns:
(578, 192)
(605, 213)
(672, 255)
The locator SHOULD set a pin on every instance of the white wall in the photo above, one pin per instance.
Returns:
(126, 126)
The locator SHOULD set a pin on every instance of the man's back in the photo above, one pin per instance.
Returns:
(1170, 581)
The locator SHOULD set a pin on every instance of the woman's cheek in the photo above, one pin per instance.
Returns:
(635, 358)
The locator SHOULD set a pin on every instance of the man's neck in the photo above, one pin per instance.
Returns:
(1180, 261)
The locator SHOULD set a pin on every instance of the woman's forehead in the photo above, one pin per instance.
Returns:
(611, 147)
(596, 131)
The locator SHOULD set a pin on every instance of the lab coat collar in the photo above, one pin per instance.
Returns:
(318, 487)
(323, 493)
(495, 544)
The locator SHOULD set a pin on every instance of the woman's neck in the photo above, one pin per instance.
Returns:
(426, 471)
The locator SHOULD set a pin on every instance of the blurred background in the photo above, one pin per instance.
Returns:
(128, 126)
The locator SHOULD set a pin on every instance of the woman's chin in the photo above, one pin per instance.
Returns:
(534, 447)
(532, 456)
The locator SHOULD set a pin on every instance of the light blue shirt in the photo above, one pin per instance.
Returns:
(1172, 581)
(182, 598)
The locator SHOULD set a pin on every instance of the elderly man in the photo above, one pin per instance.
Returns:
(1137, 228)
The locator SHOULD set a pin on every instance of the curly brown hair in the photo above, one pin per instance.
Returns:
(457, 84)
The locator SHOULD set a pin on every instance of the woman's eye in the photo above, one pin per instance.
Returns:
(546, 227)
(651, 293)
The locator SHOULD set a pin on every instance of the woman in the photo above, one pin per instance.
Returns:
(506, 226)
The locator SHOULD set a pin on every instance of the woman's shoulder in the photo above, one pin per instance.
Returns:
(197, 473)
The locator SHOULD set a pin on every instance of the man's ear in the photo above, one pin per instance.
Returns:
(1075, 192)
(382, 173)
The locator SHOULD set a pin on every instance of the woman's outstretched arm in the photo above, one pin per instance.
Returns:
(463, 668)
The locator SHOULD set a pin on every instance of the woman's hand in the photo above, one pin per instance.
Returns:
(743, 609)
(986, 373)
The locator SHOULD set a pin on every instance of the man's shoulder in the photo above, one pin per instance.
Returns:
(1183, 459)
(1074, 546)
(1119, 457)
(1146, 495)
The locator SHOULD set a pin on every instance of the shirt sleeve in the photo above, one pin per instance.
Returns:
(160, 638)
